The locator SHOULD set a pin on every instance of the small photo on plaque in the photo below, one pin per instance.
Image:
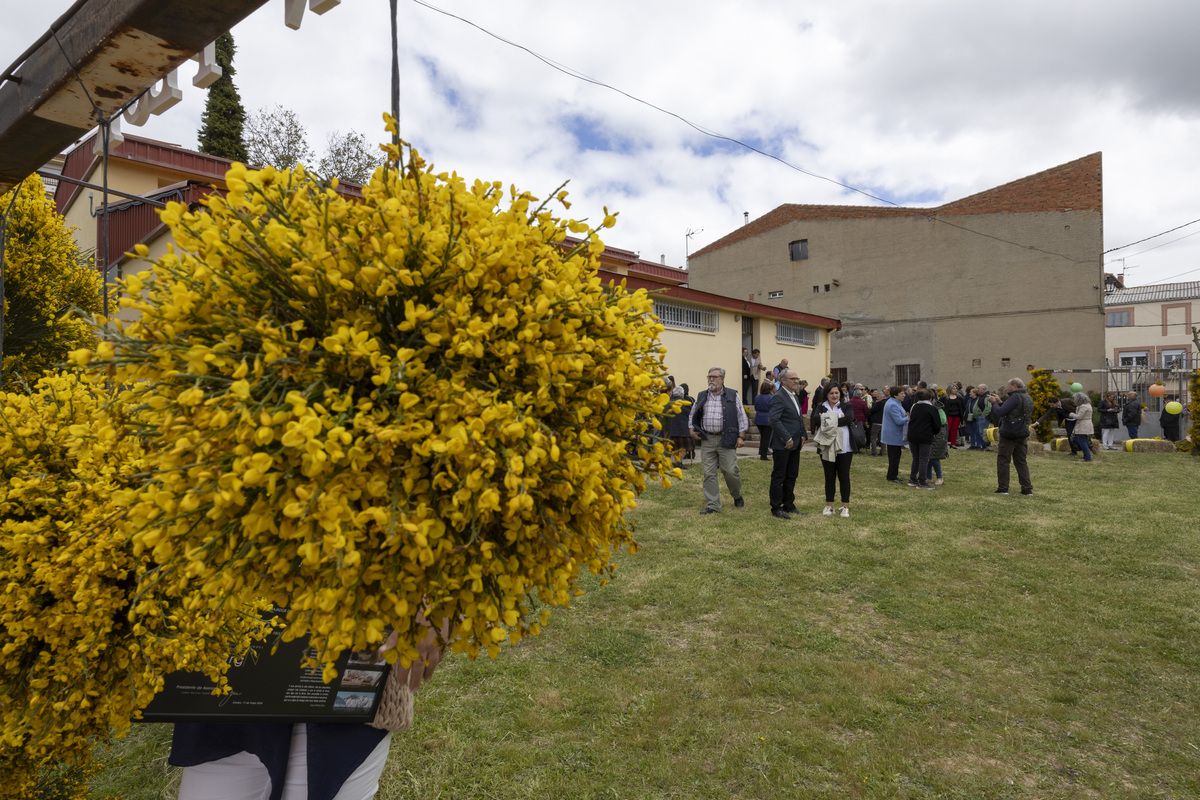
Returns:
(365, 678)
(368, 658)
(354, 702)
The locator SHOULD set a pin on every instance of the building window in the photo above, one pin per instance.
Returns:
(838, 375)
(827, 287)
(686, 318)
(788, 333)
(1174, 359)
(774, 295)
(1004, 362)
(1117, 319)
(976, 363)
(816, 290)
(798, 249)
(1131, 359)
(908, 374)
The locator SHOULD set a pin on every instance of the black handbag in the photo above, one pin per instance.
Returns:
(858, 435)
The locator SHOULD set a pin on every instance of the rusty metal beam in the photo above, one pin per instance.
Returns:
(119, 48)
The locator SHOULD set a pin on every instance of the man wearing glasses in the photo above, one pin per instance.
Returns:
(718, 420)
(787, 437)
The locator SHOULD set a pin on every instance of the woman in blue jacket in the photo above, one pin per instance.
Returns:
(762, 419)
(895, 418)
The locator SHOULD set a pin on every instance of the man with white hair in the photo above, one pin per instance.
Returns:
(1013, 417)
(718, 420)
(787, 437)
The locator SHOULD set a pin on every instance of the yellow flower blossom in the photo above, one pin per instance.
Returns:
(360, 410)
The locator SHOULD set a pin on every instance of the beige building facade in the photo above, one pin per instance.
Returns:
(1151, 326)
(702, 330)
(975, 290)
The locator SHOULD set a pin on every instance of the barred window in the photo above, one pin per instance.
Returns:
(908, 374)
(787, 333)
(686, 318)
(1117, 319)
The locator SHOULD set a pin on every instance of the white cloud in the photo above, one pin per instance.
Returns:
(924, 101)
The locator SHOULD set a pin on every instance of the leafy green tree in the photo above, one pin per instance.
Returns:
(47, 281)
(223, 122)
(275, 137)
(350, 157)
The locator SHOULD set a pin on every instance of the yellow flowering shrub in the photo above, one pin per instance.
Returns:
(362, 410)
(45, 278)
(75, 661)
(1043, 387)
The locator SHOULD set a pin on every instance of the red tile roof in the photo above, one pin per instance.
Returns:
(1074, 186)
(633, 282)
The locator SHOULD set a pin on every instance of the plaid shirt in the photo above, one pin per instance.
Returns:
(713, 418)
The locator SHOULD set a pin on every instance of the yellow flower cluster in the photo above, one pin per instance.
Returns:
(361, 410)
(1043, 387)
(46, 279)
(75, 660)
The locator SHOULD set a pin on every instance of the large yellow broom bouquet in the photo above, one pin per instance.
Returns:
(75, 661)
(420, 402)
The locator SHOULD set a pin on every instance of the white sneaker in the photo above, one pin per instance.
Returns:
(845, 511)
(938, 482)
(828, 512)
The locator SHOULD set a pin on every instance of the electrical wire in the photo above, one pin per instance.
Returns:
(1155, 236)
(722, 137)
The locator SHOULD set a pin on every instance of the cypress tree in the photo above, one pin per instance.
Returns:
(224, 116)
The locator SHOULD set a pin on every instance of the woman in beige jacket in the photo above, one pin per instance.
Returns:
(1083, 424)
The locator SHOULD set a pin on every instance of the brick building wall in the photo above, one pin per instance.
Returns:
(1023, 285)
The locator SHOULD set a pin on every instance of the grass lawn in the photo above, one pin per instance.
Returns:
(949, 643)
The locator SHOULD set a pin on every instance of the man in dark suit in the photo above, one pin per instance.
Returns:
(787, 437)
(749, 390)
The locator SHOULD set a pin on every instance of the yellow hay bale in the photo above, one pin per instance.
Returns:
(1149, 446)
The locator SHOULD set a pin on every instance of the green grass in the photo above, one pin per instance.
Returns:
(950, 644)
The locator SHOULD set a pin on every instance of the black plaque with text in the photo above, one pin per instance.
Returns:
(268, 686)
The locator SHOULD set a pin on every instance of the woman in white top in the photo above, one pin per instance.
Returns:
(835, 448)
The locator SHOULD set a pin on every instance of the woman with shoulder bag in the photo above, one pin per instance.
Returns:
(923, 424)
(836, 447)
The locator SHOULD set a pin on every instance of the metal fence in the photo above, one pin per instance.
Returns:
(1175, 378)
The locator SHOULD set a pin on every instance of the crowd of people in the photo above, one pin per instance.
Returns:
(848, 419)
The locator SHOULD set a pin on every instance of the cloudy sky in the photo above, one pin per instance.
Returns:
(918, 103)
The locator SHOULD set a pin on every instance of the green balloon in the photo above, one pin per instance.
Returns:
(1174, 408)
(1076, 387)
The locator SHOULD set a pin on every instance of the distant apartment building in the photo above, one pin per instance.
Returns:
(1151, 326)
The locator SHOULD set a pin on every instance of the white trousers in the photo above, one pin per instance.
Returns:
(243, 777)
(1107, 435)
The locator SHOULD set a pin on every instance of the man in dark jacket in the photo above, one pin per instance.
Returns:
(719, 422)
(1131, 416)
(787, 437)
(748, 375)
(1013, 417)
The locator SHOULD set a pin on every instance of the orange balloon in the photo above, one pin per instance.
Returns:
(1158, 390)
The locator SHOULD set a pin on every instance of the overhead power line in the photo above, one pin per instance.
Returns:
(732, 140)
(1148, 238)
